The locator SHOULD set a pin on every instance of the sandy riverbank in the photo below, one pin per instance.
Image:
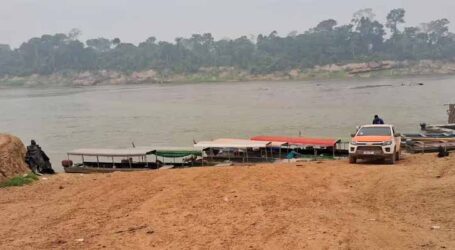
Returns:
(366, 70)
(300, 205)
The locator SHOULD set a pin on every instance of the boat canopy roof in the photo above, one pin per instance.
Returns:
(297, 141)
(168, 152)
(172, 152)
(139, 151)
(231, 143)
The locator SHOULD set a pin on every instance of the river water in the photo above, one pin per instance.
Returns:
(65, 118)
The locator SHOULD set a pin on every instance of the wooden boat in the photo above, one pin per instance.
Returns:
(81, 169)
(428, 147)
(269, 148)
(129, 159)
(438, 128)
(430, 137)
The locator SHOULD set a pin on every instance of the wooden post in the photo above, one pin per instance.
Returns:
(451, 113)
(202, 158)
(289, 160)
(211, 155)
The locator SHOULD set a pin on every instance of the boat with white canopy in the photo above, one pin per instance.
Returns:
(129, 159)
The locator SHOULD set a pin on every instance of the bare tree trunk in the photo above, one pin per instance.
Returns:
(451, 113)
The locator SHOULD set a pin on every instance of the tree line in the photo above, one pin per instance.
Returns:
(363, 39)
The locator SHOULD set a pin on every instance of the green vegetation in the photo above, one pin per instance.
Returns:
(363, 39)
(20, 181)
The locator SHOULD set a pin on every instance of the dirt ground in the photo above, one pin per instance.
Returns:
(322, 205)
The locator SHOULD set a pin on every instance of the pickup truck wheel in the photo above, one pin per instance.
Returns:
(393, 158)
(352, 159)
(397, 156)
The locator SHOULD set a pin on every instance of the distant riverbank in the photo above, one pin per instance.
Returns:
(378, 69)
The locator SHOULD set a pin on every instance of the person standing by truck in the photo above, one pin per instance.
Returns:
(377, 120)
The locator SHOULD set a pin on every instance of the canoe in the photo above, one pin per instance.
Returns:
(93, 170)
(428, 147)
(430, 137)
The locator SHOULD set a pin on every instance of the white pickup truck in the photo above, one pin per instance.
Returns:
(374, 142)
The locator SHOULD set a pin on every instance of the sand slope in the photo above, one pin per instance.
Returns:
(286, 206)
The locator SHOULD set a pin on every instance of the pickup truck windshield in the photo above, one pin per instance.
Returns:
(375, 131)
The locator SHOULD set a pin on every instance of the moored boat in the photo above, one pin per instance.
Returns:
(429, 137)
(438, 128)
(129, 159)
(428, 147)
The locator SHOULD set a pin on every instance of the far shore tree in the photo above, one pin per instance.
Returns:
(364, 39)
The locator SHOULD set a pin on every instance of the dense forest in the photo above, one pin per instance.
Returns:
(363, 39)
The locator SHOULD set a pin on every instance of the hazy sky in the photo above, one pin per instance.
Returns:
(135, 20)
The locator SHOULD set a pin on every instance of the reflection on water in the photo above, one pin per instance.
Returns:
(173, 114)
